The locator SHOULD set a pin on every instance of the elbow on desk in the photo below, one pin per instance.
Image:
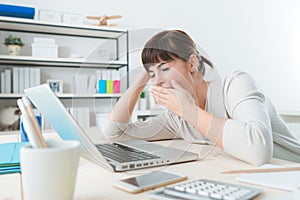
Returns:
(111, 131)
(251, 142)
(259, 155)
(258, 151)
(260, 145)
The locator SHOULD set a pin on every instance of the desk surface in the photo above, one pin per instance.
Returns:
(93, 182)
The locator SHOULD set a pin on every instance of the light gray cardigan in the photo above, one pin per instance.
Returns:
(252, 124)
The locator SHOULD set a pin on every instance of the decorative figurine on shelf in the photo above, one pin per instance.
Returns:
(14, 45)
(9, 118)
(103, 19)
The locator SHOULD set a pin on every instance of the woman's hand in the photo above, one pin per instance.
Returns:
(178, 100)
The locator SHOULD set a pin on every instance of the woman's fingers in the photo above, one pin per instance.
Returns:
(165, 97)
(160, 90)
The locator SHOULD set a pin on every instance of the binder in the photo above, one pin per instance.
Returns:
(10, 157)
(17, 11)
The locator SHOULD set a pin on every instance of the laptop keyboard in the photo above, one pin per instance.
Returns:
(123, 154)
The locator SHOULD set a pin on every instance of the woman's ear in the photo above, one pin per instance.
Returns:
(193, 63)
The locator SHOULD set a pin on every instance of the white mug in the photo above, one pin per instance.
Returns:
(50, 173)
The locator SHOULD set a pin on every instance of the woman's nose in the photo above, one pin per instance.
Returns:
(158, 80)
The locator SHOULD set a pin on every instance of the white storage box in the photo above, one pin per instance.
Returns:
(44, 50)
(49, 15)
(70, 18)
(48, 41)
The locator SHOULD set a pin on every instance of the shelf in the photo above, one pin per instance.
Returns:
(290, 116)
(152, 112)
(80, 96)
(289, 112)
(66, 96)
(36, 26)
(61, 62)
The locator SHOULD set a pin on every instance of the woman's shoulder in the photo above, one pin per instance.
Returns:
(237, 75)
(241, 85)
(239, 79)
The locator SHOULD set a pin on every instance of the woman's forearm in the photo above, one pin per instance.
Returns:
(209, 125)
(124, 107)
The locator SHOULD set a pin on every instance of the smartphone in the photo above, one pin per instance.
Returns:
(148, 181)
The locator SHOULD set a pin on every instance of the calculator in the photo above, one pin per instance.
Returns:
(206, 189)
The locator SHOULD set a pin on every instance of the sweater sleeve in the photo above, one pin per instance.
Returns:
(155, 128)
(247, 133)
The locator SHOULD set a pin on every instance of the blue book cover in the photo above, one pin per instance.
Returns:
(10, 170)
(17, 11)
(10, 154)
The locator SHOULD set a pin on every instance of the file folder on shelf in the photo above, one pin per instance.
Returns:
(17, 11)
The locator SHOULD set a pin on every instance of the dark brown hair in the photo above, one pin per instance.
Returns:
(169, 45)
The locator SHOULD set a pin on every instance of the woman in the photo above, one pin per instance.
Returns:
(231, 113)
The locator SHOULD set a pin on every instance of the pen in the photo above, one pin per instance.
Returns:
(28, 125)
(275, 169)
(32, 117)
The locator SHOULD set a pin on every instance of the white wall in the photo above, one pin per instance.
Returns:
(261, 37)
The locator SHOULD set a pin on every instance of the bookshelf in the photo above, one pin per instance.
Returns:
(65, 67)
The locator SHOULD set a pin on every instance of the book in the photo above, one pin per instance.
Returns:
(32, 77)
(17, 11)
(92, 84)
(26, 77)
(21, 80)
(3, 82)
(37, 76)
(10, 157)
(7, 81)
(80, 84)
(15, 80)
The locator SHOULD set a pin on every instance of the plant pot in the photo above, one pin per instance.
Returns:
(14, 50)
(143, 103)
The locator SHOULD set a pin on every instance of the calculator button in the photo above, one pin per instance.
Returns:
(191, 190)
(203, 193)
(229, 198)
(180, 188)
(215, 196)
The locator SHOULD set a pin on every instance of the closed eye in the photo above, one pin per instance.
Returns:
(161, 67)
(151, 74)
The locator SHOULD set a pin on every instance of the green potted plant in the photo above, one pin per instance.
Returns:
(143, 101)
(14, 45)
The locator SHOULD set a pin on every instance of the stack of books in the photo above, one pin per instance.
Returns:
(10, 157)
(18, 79)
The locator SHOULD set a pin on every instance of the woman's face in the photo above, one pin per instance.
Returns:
(162, 73)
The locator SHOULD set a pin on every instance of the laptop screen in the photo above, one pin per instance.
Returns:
(63, 123)
(54, 111)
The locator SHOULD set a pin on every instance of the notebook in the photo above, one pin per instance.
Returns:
(68, 129)
(285, 180)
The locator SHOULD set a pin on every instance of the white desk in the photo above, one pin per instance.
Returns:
(93, 182)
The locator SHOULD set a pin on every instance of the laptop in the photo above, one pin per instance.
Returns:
(114, 156)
